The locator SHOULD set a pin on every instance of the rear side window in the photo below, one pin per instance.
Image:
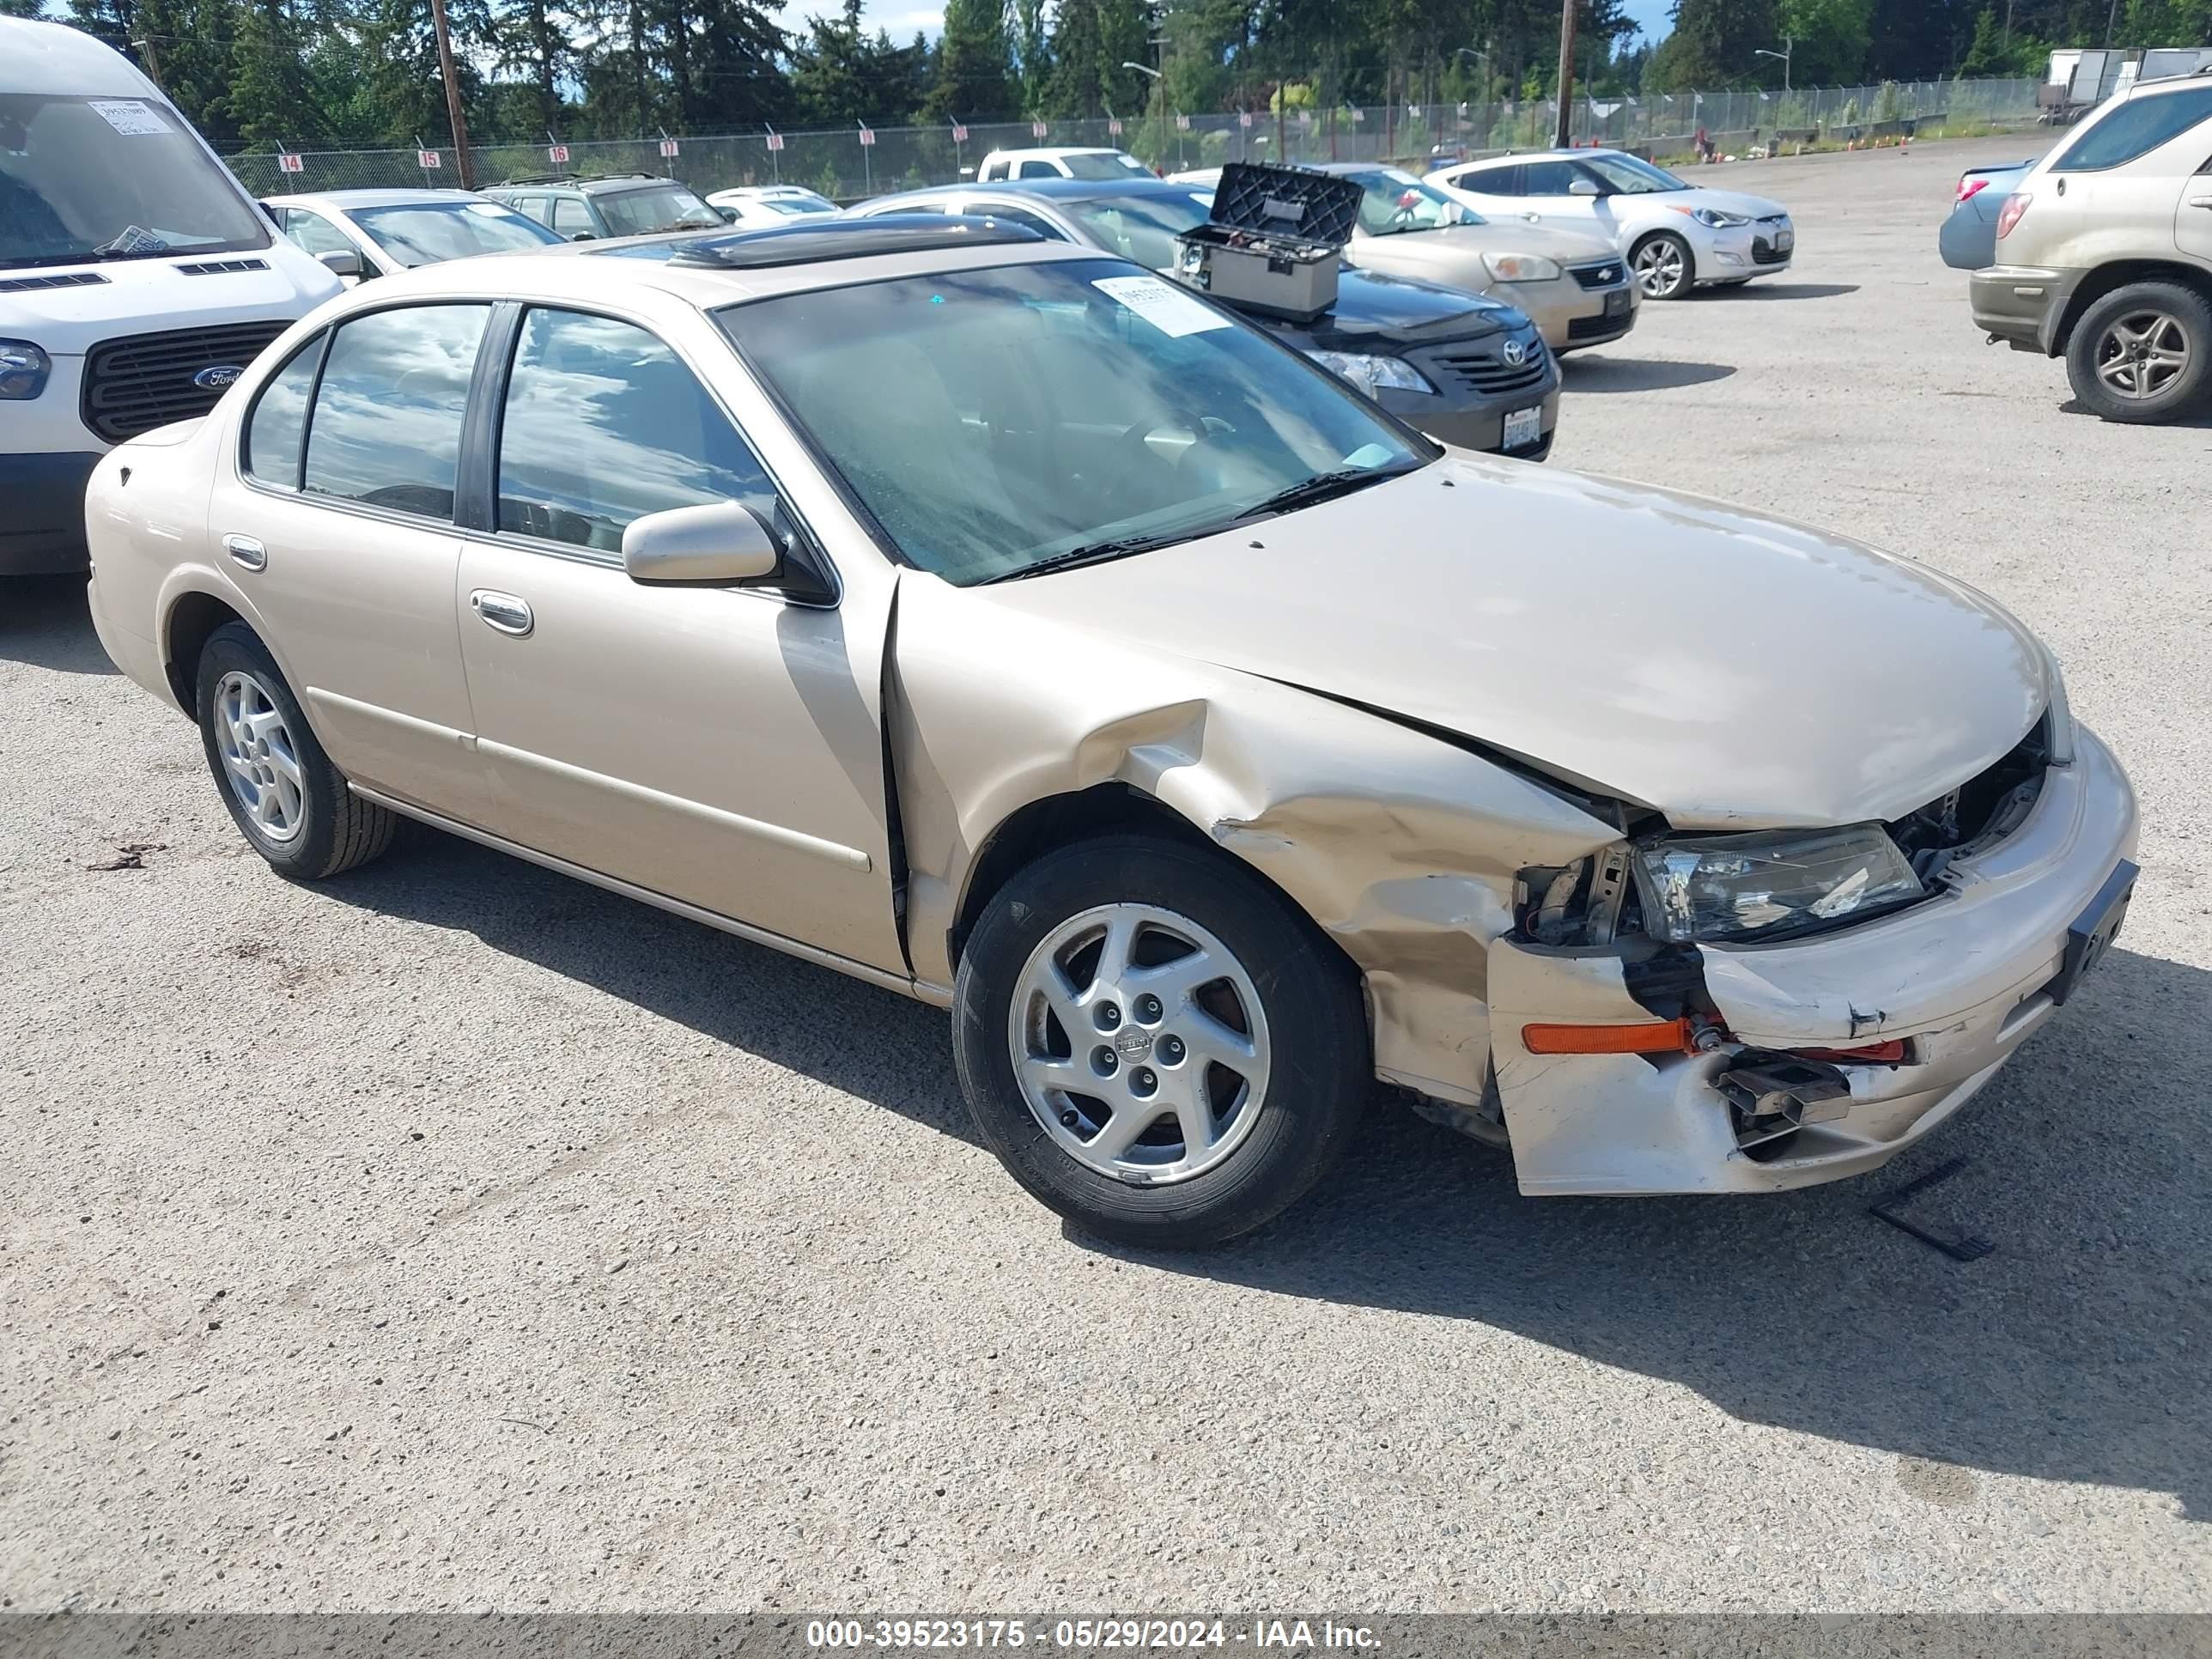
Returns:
(1039, 170)
(1494, 181)
(2136, 128)
(386, 429)
(279, 422)
(992, 170)
(604, 424)
(314, 233)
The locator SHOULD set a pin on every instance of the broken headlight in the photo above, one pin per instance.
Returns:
(1769, 883)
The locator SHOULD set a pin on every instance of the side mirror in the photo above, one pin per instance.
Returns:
(1583, 187)
(581, 236)
(343, 262)
(718, 544)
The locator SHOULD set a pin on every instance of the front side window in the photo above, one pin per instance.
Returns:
(387, 428)
(1545, 178)
(2136, 127)
(661, 207)
(425, 233)
(279, 420)
(1140, 228)
(571, 217)
(604, 424)
(1027, 221)
(314, 233)
(1066, 409)
(1039, 170)
(1623, 175)
(96, 179)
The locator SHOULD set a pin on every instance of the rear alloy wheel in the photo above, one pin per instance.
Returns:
(1155, 1043)
(2143, 353)
(1663, 267)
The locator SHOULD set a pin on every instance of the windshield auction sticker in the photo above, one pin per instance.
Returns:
(1163, 305)
(129, 117)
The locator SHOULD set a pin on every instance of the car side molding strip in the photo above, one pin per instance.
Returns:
(938, 996)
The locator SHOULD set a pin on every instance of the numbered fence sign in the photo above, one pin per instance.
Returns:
(1305, 118)
(775, 140)
(959, 133)
(1182, 124)
(1114, 125)
(288, 162)
(668, 148)
(557, 154)
(867, 139)
(1036, 129)
(1244, 117)
(428, 160)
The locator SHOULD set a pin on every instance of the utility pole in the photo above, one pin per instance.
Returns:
(461, 164)
(153, 64)
(1564, 135)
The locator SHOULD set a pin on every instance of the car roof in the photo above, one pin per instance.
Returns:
(1045, 152)
(36, 56)
(1050, 190)
(765, 262)
(344, 201)
(592, 186)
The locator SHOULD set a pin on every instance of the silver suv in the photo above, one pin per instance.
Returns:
(2105, 251)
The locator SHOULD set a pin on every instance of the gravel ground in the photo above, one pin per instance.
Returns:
(457, 1236)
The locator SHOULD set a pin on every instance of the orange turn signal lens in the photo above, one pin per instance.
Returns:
(1669, 1036)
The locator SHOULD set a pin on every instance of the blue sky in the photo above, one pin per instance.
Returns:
(903, 17)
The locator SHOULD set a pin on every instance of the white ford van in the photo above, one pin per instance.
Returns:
(138, 278)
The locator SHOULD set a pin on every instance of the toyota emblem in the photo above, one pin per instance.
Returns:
(216, 376)
(1515, 353)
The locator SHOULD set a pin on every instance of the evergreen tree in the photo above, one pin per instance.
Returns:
(271, 99)
(973, 76)
(1714, 43)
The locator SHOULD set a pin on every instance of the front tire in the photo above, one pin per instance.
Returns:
(2142, 354)
(289, 801)
(1664, 266)
(1155, 1044)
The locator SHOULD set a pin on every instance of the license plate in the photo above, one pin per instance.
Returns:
(2093, 931)
(1784, 241)
(1524, 428)
(1616, 303)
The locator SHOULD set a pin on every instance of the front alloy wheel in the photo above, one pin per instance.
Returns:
(1661, 264)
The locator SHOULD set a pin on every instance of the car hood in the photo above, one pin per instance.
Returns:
(1732, 671)
(148, 295)
(1726, 201)
(1455, 253)
(1373, 308)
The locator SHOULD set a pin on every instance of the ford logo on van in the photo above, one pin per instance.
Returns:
(216, 376)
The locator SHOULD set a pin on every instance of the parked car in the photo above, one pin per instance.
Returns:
(1464, 369)
(1676, 235)
(754, 205)
(137, 279)
(1968, 240)
(625, 205)
(1096, 165)
(1575, 286)
(377, 233)
(1001, 624)
(2104, 255)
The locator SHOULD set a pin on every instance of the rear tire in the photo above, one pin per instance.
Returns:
(2142, 354)
(289, 801)
(1178, 1103)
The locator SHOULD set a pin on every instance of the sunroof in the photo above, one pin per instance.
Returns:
(806, 244)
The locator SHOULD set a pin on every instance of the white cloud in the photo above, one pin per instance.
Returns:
(902, 22)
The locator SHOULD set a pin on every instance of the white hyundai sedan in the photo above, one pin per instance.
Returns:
(1675, 235)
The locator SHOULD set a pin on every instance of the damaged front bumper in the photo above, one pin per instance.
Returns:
(1961, 980)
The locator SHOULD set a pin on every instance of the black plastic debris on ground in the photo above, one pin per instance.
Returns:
(1958, 1244)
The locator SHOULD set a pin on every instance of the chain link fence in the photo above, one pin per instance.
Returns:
(852, 165)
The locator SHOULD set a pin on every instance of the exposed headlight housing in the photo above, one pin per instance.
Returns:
(1714, 219)
(1770, 884)
(23, 369)
(1521, 268)
(1370, 374)
(2059, 722)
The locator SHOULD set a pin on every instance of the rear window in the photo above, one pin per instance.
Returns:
(2138, 126)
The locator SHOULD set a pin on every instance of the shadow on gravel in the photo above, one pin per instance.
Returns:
(725, 988)
(44, 624)
(2201, 421)
(1638, 375)
(1778, 291)
(2075, 1352)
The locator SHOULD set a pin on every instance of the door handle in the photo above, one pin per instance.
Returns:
(502, 611)
(2200, 201)
(246, 551)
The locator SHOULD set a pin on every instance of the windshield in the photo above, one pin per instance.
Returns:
(424, 232)
(84, 179)
(1140, 228)
(1626, 176)
(1104, 164)
(656, 207)
(1391, 201)
(993, 420)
